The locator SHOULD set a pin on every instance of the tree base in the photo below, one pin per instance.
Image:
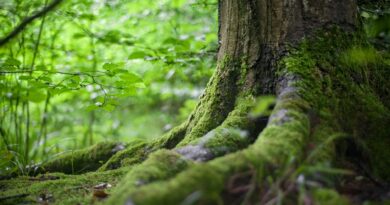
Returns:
(328, 111)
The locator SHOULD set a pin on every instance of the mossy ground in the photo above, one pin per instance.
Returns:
(57, 188)
(325, 103)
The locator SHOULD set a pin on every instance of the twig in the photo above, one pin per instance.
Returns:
(28, 20)
(85, 73)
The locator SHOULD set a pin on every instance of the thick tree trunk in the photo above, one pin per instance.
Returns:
(293, 49)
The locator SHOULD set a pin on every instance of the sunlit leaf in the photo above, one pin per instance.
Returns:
(131, 77)
(137, 55)
(113, 66)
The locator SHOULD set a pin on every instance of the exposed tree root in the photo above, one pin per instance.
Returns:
(283, 137)
(79, 161)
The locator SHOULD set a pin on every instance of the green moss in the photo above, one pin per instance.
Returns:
(328, 197)
(202, 183)
(170, 139)
(80, 161)
(162, 164)
(135, 152)
(279, 142)
(324, 99)
(350, 95)
(62, 189)
(206, 182)
(320, 87)
(217, 102)
(232, 134)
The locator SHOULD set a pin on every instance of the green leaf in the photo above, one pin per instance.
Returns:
(79, 35)
(92, 108)
(36, 96)
(171, 41)
(36, 84)
(112, 36)
(87, 16)
(139, 85)
(113, 66)
(12, 62)
(365, 14)
(58, 90)
(131, 77)
(109, 107)
(40, 67)
(130, 91)
(25, 77)
(137, 55)
(74, 82)
(45, 78)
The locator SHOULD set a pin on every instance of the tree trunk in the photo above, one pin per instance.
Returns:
(326, 106)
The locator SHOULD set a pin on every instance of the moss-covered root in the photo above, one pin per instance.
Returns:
(135, 152)
(80, 161)
(138, 150)
(160, 165)
(282, 139)
(235, 133)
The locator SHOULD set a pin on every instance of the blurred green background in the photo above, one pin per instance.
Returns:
(95, 70)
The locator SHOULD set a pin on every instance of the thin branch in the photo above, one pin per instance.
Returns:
(28, 20)
(85, 73)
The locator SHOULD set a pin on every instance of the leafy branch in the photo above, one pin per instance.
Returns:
(28, 20)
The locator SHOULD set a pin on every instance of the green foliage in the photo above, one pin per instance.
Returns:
(95, 70)
(376, 18)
